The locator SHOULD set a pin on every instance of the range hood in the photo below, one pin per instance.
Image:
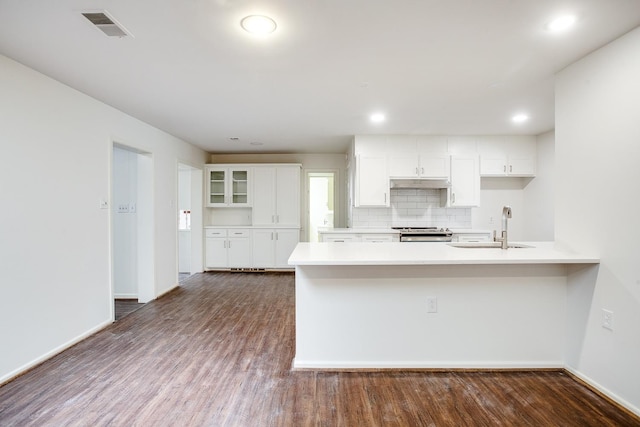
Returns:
(426, 183)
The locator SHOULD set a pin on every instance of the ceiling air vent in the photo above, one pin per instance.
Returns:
(106, 24)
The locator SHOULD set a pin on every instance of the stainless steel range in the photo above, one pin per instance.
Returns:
(424, 234)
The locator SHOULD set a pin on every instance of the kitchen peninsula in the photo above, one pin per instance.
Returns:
(432, 305)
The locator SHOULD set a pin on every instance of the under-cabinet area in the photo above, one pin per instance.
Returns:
(252, 218)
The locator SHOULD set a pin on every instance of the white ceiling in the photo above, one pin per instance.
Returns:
(433, 66)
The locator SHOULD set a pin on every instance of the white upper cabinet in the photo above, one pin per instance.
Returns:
(372, 181)
(371, 172)
(276, 196)
(418, 157)
(508, 156)
(434, 157)
(403, 157)
(228, 186)
(465, 181)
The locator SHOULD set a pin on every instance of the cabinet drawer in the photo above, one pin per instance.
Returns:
(472, 237)
(234, 232)
(378, 238)
(341, 238)
(215, 232)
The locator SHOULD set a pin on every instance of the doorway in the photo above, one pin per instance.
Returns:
(132, 252)
(321, 206)
(189, 220)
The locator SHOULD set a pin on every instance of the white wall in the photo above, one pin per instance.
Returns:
(495, 193)
(55, 270)
(539, 194)
(597, 204)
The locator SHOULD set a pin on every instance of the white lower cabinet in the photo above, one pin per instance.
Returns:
(272, 247)
(360, 237)
(379, 238)
(471, 237)
(228, 248)
(340, 238)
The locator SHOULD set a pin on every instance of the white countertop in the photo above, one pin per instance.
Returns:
(249, 226)
(404, 253)
(391, 231)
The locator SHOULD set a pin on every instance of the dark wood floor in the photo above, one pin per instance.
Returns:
(124, 307)
(217, 352)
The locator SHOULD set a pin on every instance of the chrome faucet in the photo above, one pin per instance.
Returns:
(506, 214)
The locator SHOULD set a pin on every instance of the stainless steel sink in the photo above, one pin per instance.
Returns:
(487, 245)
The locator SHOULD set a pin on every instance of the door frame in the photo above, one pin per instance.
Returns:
(197, 217)
(145, 257)
(307, 200)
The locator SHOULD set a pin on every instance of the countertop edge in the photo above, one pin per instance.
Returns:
(402, 254)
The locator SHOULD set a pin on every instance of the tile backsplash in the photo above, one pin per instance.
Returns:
(412, 207)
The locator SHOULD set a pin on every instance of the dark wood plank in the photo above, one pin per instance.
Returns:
(124, 307)
(217, 351)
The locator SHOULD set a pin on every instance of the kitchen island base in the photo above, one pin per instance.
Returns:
(377, 316)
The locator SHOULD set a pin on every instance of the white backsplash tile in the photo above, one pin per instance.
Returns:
(412, 207)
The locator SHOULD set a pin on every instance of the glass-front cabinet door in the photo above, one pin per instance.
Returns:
(239, 187)
(217, 187)
(228, 186)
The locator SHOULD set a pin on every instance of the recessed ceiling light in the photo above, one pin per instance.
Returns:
(561, 23)
(256, 143)
(234, 138)
(258, 24)
(377, 118)
(519, 118)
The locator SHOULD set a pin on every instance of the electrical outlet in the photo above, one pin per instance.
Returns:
(132, 207)
(607, 319)
(123, 208)
(432, 305)
(104, 204)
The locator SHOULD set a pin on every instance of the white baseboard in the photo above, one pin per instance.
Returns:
(48, 355)
(125, 296)
(605, 391)
(341, 366)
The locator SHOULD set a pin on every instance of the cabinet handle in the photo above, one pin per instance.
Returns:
(504, 168)
(277, 219)
(276, 235)
(453, 198)
(385, 198)
(273, 219)
(422, 169)
(229, 244)
(272, 235)
(510, 168)
(416, 171)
